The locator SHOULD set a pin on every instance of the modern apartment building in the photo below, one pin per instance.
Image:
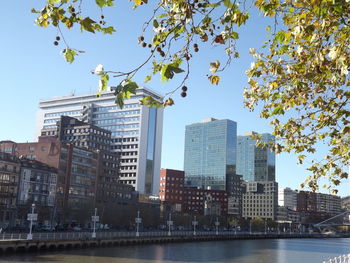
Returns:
(210, 154)
(255, 163)
(260, 199)
(136, 131)
(287, 198)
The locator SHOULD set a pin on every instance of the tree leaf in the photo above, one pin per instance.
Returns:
(214, 79)
(214, 66)
(69, 55)
(88, 24)
(168, 71)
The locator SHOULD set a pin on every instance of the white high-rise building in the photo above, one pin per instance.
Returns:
(136, 131)
(287, 198)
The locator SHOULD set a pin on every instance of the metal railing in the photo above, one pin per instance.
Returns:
(340, 259)
(121, 234)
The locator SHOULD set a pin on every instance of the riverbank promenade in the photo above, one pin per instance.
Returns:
(18, 242)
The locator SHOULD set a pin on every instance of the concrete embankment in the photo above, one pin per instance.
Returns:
(15, 246)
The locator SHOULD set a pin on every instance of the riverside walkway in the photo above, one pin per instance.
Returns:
(17, 242)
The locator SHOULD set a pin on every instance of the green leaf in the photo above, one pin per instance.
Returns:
(148, 78)
(102, 3)
(103, 83)
(69, 54)
(108, 30)
(168, 71)
(228, 3)
(150, 102)
(88, 24)
(280, 36)
(52, 2)
(278, 111)
(130, 87)
(155, 23)
(234, 35)
(119, 100)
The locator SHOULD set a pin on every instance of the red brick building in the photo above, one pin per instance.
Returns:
(171, 188)
(204, 202)
(175, 197)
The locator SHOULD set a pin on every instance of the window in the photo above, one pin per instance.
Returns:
(31, 148)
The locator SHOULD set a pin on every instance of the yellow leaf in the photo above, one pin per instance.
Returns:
(214, 66)
(140, 2)
(137, 2)
(214, 79)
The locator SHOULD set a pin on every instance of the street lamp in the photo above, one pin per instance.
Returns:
(250, 227)
(31, 217)
(170, 223)
(194, 223)
(265, 226)
(95, 218)
(290, 228)
(217, 223)
(138, 221)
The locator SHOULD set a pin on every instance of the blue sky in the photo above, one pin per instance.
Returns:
(32, 69)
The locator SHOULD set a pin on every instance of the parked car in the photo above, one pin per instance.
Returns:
(46, 228)
(77, 228)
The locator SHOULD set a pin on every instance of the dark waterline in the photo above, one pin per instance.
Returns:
(242, 251)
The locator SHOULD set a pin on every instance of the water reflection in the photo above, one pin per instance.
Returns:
(242, 251)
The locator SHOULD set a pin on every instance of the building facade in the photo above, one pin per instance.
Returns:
(255, 163)
(260, 199)
(81, 134)
(345, 203)
(136, 131)
(176, 197)
(9, 177)
(37, 183)
(77, 170)
(287, 198)
(171, 189)
(325, 204)
(205, 202)
(210, 154)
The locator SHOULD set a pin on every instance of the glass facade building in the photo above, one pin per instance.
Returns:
(210, 153)
(254, 163)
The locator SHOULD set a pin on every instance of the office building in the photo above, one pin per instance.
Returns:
(255, 163)
(210, 154)
(81, 134)
(287, 198)
(136, 131)
(260, 199)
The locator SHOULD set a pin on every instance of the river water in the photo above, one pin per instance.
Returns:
(242, 251)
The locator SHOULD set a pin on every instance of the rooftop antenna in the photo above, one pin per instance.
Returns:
(72, 93)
